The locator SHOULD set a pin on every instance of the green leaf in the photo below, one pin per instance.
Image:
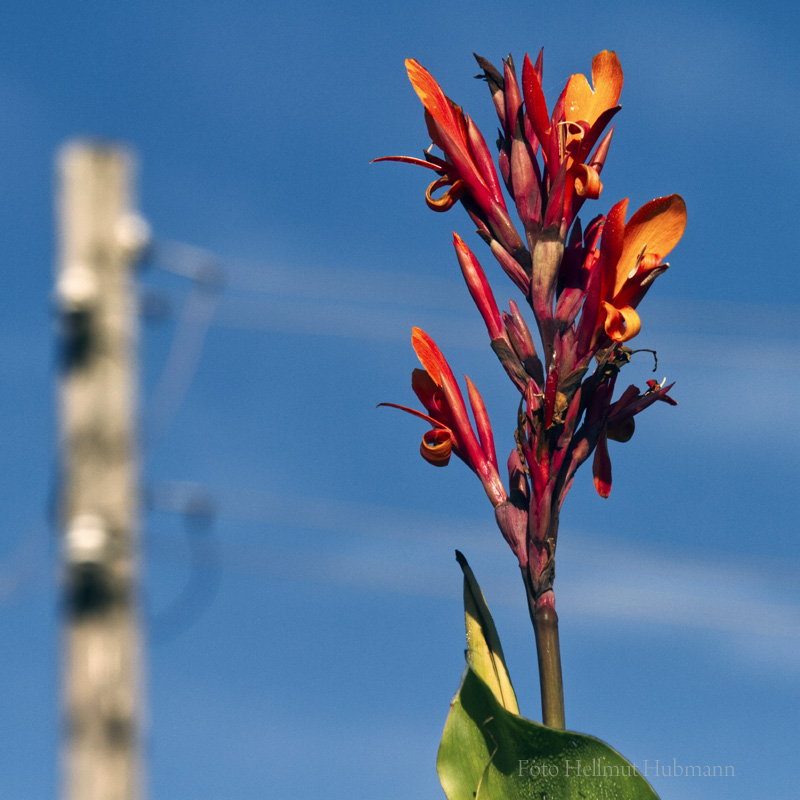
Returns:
(484, 652)
(489, 752)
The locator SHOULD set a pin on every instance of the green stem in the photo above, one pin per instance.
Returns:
(545, 626)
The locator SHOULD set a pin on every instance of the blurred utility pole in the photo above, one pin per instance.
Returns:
(99, 237)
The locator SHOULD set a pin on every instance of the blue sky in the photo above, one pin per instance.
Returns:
(310, 639)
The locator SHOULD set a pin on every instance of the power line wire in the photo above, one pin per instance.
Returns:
(183, 360)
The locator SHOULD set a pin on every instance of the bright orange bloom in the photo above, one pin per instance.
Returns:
(567, 137)
(467, 167)
(438, 391)
(456, 136)
(631, 257)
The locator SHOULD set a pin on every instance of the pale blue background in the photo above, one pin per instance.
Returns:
(313, 648)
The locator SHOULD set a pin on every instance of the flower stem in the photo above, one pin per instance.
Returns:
(548, 651)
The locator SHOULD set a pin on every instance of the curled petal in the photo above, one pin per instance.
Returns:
(570, 138)
(448, 199)
(587, 182)
(621, 324)
(436, 446)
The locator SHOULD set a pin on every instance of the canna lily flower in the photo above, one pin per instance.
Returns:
(467, 168)
(452, 432)
(631, 258)
(567, 137)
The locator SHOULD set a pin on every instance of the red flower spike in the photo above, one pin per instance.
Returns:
(598, 158)
(591, 136)
(632, 403)
(655, 386)
(612, 242)
(625, 399)
(583, 287)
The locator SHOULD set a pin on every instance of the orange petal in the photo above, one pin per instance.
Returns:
(428, 354)
(583, 104)
(654, 229)
(436, 447)
(434, 99)
(621, 324)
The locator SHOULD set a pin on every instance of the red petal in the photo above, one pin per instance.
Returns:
(535, 105)
(601, 468)
(479, 288)
(482, 423)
